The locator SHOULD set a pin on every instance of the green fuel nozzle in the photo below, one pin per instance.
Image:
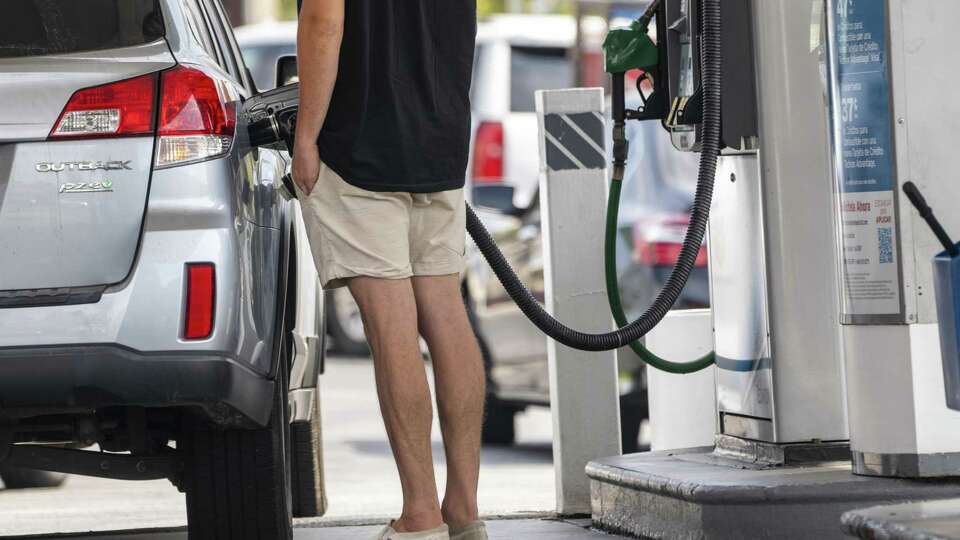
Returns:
(630, 48)
(626, 49)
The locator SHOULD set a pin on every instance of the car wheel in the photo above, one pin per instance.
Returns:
(309, 493)
(17, 478)
(633, 411)
(638, 289)
(499, 423)
(345, 324)
(238, 481)
(499, 419)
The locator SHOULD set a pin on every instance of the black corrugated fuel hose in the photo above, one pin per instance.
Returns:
(710, 139)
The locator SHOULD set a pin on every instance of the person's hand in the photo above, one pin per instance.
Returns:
(306, 167)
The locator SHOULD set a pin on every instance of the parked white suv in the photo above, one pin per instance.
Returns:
(516, 56)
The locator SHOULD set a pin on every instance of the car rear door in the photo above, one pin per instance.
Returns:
(78, 98)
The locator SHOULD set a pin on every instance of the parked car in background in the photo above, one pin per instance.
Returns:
(654, 216)
(657, 194)
(262, 44)
(158, 295)
(516, 56)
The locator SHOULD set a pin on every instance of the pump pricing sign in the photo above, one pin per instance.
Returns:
(863, 150)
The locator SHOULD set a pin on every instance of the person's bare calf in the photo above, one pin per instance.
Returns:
(460, 386)
(389, 314)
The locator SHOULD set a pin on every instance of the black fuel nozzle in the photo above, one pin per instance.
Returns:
(265, 131)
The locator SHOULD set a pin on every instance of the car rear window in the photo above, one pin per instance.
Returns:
(537, 68)
(42, 27)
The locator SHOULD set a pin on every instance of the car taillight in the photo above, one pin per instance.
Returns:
(666, 254)
(119, 109)
(196, 122)
(658, 242)
(488, 153)
(201, 298)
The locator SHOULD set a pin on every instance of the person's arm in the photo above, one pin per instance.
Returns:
(319, 37)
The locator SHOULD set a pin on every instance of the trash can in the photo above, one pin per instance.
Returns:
(946, 271)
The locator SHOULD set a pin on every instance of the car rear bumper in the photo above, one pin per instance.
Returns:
(696, 293)
(61, 379)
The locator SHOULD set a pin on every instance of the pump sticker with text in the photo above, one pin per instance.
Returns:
(864, 155)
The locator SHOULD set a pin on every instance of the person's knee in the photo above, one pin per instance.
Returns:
(446, 313)
(388, 310)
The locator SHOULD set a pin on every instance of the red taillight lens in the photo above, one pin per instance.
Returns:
(702, 258)
(197, 121)
(666, 254)
(192, 105)
(488, 153)
(117, 109)
(201, 298)
(658, 241)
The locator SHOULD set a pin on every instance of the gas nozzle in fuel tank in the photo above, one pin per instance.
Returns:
(272, 123)
(272, 117)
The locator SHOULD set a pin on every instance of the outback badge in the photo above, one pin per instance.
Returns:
(46, 166)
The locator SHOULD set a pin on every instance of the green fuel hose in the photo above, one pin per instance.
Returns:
(613, 293)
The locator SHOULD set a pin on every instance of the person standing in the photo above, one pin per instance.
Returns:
(380, 158)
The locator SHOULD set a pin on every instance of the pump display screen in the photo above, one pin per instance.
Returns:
(864, 158)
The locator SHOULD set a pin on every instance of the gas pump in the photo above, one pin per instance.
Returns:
(834, 336)
(893, 116)
(760, 364)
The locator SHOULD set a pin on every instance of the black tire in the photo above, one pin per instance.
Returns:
(17, 478)
(237, 481)
(309, 492)
(347, 340)
(499, 419)
(499, 423)
(633, 411)
(638, 289)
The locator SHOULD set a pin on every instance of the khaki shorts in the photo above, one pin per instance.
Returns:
(392, 235)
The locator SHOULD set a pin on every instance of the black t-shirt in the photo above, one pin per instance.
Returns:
(399, 119)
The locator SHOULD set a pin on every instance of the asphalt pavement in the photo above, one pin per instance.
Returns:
(512, 529)
(362, 482)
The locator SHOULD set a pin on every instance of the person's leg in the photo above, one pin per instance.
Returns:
(461, 389)
(389, 316)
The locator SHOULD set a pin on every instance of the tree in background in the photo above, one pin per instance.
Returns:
(288, 9)
(486, 7)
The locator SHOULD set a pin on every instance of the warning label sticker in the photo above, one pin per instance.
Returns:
(863, 151)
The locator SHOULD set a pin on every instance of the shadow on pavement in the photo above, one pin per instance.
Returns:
(490, 455)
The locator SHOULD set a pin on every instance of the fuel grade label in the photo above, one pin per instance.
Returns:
(863, 149)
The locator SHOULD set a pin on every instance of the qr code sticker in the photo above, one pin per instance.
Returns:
(885, 235)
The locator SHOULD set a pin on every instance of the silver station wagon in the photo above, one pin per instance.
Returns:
(160, 313)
